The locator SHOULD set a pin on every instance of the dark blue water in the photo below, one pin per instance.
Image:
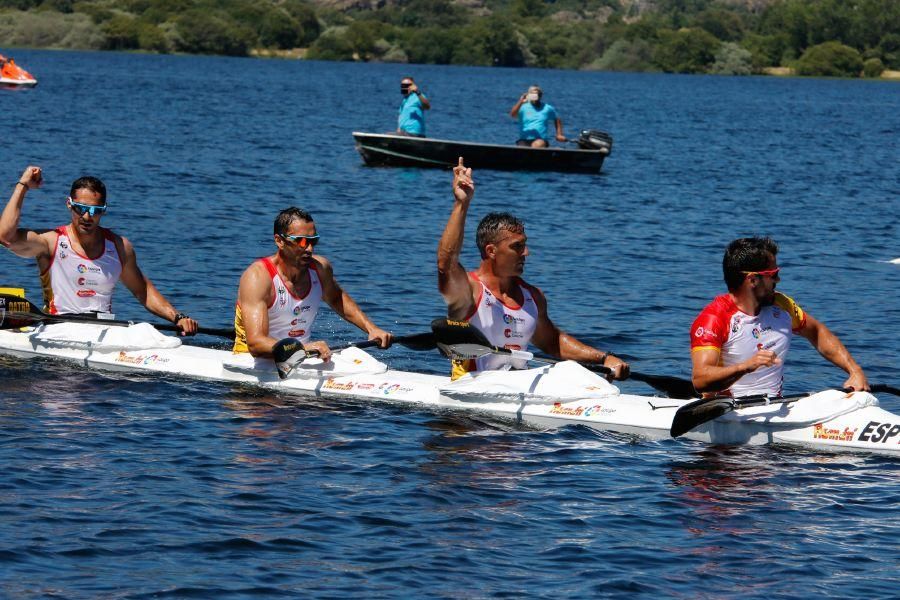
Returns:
(115, 486)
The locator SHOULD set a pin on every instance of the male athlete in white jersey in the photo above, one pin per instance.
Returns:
(494, 298)
(740, 340)
(279, 295)
(81, 262)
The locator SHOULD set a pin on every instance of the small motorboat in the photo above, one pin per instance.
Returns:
(14, 76)
(390, 150)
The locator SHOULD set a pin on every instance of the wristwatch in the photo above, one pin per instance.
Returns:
(179, 316)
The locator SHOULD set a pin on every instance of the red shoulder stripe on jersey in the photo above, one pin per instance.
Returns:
(480, 296)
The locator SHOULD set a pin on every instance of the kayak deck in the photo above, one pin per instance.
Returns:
(827, 420)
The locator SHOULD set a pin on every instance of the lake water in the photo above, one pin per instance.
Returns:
(136, 487)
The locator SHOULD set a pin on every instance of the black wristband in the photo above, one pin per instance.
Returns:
(180, 316)
(603, 358)
(24, 185)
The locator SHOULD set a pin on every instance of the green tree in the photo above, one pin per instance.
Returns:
(731, 59)
(331, 45)
(279, 30)
(306, 18)
(831, 59)
(873, 67)
(686, 51)
(201, 32)
(626, 55)
(121, 33)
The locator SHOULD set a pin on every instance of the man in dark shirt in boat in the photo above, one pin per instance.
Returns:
(535, 118)
(279, 295)
(81, 262)
(411, 116)
(494, 298)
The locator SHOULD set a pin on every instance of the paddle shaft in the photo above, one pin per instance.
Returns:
(416, 341)
(42, 317)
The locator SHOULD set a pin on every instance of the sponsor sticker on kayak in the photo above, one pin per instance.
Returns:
(580, 411)
(820, 432)
(141, 359)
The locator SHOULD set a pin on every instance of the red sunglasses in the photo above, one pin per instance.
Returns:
(766, 273)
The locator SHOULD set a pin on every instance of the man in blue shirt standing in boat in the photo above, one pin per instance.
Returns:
(411, 118)
(535, 118)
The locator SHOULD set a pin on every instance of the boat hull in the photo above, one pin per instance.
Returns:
(859, 426)
(406, 151)
(7, 83)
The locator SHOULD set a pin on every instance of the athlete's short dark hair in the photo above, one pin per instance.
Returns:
(89, 183)
(492, 225)
(289, 215)
(746, 254)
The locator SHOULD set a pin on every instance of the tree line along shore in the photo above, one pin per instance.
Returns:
(839, 38)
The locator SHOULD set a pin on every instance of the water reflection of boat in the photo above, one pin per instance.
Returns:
(390, 150)
(14, 76)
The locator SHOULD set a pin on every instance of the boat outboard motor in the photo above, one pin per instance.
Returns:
(594, 139)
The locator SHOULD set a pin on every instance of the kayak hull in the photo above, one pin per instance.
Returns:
(847, 422)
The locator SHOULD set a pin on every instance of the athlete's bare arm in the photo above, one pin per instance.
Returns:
(144, 290)
(24, 242)
(829, 346)
(458, 290)
(341, 302)
(552, 340)
(254, 297)
(709, 376)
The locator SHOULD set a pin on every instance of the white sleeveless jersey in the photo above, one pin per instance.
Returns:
(289, 316)
(504, 326)
(76, 284)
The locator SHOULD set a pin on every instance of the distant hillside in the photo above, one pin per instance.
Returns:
(816, 37)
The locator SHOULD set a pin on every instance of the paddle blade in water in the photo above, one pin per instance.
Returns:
(450, 332)
(699, 412)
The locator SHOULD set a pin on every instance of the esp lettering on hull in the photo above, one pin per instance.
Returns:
(879, 432)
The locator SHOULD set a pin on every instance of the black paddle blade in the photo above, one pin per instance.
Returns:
(673, 387)
(449, 332)
(419, 341)
(699, 412)
(287, 353)
(16, 312)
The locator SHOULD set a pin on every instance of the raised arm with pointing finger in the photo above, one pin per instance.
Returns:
(494, 298)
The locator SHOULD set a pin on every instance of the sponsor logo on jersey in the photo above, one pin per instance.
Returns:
(63, 245)
(507, 318)
(82, 268)
(85, 293)
(296, 333)
(296, 311)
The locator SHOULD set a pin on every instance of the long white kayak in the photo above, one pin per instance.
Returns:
(553, 396)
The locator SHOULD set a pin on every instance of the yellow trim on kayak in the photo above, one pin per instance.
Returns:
(19, 292)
